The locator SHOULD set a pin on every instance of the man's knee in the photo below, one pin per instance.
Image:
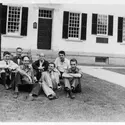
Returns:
(45, 76)
(66, 80)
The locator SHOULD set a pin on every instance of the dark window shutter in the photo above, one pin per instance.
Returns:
(4, 19)
(65, 24)
(120, 29)
(94, 23)
(24, 21)
(0, 18)
(83, 26)
(110, 25)
(0, 27)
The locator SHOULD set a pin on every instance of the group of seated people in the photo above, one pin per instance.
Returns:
(43, 75)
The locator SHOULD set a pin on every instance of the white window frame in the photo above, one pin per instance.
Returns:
(9, 33)
(72, 38)
(107, 26)
(48, 10)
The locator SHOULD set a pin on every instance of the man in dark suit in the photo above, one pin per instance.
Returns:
(40, 65)
(18, 58)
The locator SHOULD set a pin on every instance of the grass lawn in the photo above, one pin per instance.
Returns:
(99, 101)
(121, 71)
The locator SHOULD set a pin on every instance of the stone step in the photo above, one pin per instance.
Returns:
(82, 58)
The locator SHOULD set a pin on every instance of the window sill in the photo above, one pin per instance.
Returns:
(101, 35)
(14, 36)
(74, 40)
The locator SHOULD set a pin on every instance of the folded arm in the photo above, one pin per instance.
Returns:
(78, 75)
(66, 75)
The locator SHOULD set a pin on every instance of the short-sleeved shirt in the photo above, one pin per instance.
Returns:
(62, 66)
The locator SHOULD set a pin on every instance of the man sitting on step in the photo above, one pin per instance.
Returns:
(24, 75)
(7, 66)
(62, 63)
(18, 58)
(40, 65)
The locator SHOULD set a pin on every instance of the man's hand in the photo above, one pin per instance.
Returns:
(29, 78)
(11, 69)
(35, 79)
(41, 68)
(59, 87)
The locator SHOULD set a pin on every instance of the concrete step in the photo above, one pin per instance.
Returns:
(82, 57)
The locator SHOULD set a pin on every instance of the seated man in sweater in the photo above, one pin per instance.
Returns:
(49, 81)
(72, 80)
(7, 66)
(24, 75)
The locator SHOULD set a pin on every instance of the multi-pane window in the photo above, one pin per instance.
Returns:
(102, 24)
(45, 13)
(123, 30)
(74, 25)
(14, 20)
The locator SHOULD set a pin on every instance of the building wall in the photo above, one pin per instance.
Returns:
(58, 43)
(90, 44)
(28, 41)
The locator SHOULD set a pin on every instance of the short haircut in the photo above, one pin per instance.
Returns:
(52, 63)
(73, 60)
(25, 56)
(6, 53)
(41, 54)
(19, 48)
(62, 52)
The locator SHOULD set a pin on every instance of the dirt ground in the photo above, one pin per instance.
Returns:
(100, 101)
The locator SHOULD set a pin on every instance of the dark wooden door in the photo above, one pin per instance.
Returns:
(44, 33)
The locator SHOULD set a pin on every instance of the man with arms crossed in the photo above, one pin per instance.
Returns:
(62, 63)
(72, 78)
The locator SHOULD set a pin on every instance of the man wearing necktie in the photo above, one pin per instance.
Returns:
(18, 58)
(49, 81)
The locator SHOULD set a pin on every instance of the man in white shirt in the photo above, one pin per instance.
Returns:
(62, 63)
(6, 68)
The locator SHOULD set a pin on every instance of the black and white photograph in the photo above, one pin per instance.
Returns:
(62, 61)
